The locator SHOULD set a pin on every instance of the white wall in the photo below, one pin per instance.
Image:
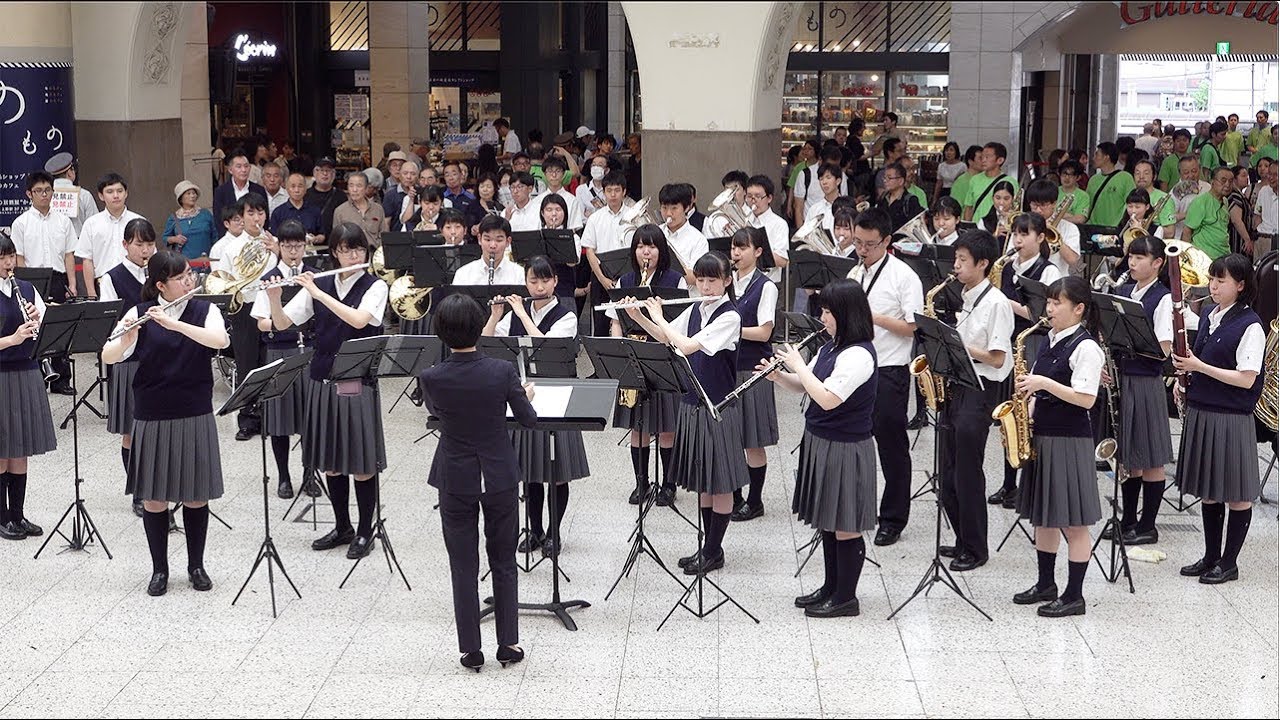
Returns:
(36, 32)
(115, 45)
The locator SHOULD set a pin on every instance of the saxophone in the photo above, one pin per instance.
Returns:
(1013, 414)
(1268, 404)
(932, 387)
(629, 398)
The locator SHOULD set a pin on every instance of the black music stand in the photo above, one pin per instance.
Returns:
(367, 359)
(435, 265)
(397, 247)
(260, 385)
(557, 245)
(106, 307)
(615, 263)
(40, 277)
(642, 292)
(948, 358)
(67, 330)
(812, 271)
(932, 264)
(1035, 295)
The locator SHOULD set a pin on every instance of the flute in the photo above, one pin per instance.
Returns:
(147, 318)
(641, 303)
(281, 282)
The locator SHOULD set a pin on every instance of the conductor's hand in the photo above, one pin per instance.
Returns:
(528, 391)
(791, 356)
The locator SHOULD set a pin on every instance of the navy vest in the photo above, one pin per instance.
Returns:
(282, 339)
(1053, 416)
(12, 316)
(1143, 365)
(717, 373)
(175, 373)
(751, 352)
(331, 331)
(1013, 290)
(126, 285)
(1219, 350)
(850, 421)
(554, 315)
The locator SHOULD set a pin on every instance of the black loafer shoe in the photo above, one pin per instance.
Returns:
(666, 497)
(638, 494)
(947, 551)
(746, 512)
(998, 497)
(887, 536)
(550, 548)
(829, 609)
(311, 487)
(159, 584)
(1218, 575)
(12, 531)
(1058, 608)
(245, 434)
(334, 538)
(510, 655)
(285, 490)
(1106, 532)
(360, 547)
(1010, 501)
(920, 421)
(30, 528)
(817, 597)
(965, 562)
(1144, 537)
(137, 507)
(1033, 595)
(704, 565)
(688, 560)
(62, 388)
(200, 580)
(1199, 567)
(532, 542)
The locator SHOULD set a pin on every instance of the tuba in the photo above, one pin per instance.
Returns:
(637, 215)
(932, 387)
(723, 206)
(812, 236)
(1269, 403)
(409, 302)
(248, 267)
(1013, 414)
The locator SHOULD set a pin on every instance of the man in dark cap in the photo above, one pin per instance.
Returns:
(322, 194)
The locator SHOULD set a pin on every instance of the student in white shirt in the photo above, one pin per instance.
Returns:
(522, 213)
(759, 196)
(493, 267)
(830, 177)
(674, 202)
(946, 216)
(44, 238)
(809, 182)
(100, 239)
(603, 234)
(554, 169)
(1042, 195)
(718, 224)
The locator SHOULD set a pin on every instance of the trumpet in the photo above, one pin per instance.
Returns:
(641, 303)
(283, 282)
(762, 373)
(147, 318)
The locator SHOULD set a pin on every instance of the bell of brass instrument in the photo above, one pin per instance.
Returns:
(917, 229)
(1138, 226)
(1051, 235)
(1268, 409)
(723, 206)
(248, 266)
(637, 215)
(997, 268)
(1013, 415)
(932, 387)
(812, 236)
(409, 302)
(1005, 226)
(379, 266)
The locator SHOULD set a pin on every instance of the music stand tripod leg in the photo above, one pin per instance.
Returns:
(83, 529)
(379, 534)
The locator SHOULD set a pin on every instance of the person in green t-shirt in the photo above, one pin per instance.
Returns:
(1233, 143)
(1260, 134)
(973, 159)
(1069, 173)
(909, 164)
(1169, 175)
(1211, 154)
(978, 200)
(1109, 188)
(1266, 151)
(1206, 225)
(1143, 177)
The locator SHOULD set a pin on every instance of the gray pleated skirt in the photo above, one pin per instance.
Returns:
(175, 460)
(285, 414)
(708, 454)
(836, 484)
(120, 398)
(533, 450)
(1060, 489)
(343, 434)
(1144, 423)
(655, 413)
(26, 422)
(759, 414)
(1218, 459)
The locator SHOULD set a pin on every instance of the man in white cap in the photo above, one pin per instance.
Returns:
(395, 160)
(63, 168)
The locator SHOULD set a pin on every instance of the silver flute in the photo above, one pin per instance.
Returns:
(641, 303)
(147, 318)
(283, 282)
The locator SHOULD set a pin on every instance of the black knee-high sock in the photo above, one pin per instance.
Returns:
(1152, 493)
(156, 525)
(830, 567)
(340, 497)
(1045, 561)
(366, 502)
(1213, 514)
(1237, 528)
(665, 455)
(1010, 478)
(533, 497)
(4, 497)
(557, 512)
(18, 495)
(737, 496)
(707, 515)
(756, 491)
(1129, 490)
(1075, 580)
(850, 555)
(713, 546)
(280, 449)
(196, 521)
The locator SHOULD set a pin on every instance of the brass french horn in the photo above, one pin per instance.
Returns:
(409, 302)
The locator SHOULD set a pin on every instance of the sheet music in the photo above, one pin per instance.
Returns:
(549, 401)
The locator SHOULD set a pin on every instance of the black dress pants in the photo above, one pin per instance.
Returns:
(460, 522)
(966, 421)
(889, 426)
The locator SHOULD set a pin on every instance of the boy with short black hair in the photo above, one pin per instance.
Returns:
(101, 239)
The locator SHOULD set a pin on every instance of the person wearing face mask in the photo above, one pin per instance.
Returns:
(590, 195)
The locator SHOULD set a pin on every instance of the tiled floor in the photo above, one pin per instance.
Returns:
(81, 637)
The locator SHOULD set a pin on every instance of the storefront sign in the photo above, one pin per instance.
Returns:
(1224, 48)
(246, 49)
(1133, 13)
(36, 123)
(362, 78)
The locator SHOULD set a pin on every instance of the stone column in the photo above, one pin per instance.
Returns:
(616, 113)
(398, 76)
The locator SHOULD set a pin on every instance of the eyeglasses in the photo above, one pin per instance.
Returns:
(892, 177)
(344, 250)
(756, 196)
(42, 191)
(867, 244)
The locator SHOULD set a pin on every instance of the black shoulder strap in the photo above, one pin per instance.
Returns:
(983, 196)
(1093, 204)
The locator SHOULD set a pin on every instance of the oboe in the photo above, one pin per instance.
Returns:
(762, 373)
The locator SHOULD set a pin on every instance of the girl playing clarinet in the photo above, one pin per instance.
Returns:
(26, 423)
(757, 302)
(836, 481)
(1217, 461)
(708, 456)
(1059, 492)
(175, 454)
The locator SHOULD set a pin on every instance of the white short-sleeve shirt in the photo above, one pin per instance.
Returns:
(766, 311)
(1252, 344)
(476, 272)
(526, 218)
(212, 321)
(721, 334)
(1163, 320)
(107, 287)
(102, 240)
(1086, 361)
(44, 240)
(688, 244)
(566, 326)
(854, 367)
(602, 232)
(779, 236)
(302, 307)
(897, 293)
(6, 287)
(988, 326)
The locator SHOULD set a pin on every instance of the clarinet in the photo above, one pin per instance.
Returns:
(492, 267)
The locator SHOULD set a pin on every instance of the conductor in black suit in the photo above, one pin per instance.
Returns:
(475, 469)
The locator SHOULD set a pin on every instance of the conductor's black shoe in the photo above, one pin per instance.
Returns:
(137, 507)
(200, 579)
(817, 597)
(360, 547)
(1218, 575)
(509, 655)
(919, 421)
(159, 584)
(638, 494)
(12, 531)
(30, 528)
(998, 497)
(1061, 608)
(887, 536)
(829, 608)
(285, 490)
(1199, 567)
(62, 387)
(704, 565)
(746, 511)
(531, 542)
(666, 496)
(472, 660)
(688, 560)
(334, 538)
(1141, 537)
(947, 551)
(1033, 595)
(311, 487)
(245, 434)
(966, 561)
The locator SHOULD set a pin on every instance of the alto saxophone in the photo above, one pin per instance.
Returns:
(1014, 414)
(932, 387)
(629, 398)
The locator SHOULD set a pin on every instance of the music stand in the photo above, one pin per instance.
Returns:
(811, 271)
(112, 308)
(642, 292)
(557, 245)
(948, 358)
(932, 264)
(435, 265)
(1035, 295)
(40, 277)
(64, 330)
(260, 385)
(397, 247)
(367, 359)
(615, 263)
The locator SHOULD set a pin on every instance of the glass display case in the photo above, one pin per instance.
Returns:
(920, 100)
(846, 95)
(799, 107)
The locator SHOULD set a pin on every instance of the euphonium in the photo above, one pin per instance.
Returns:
(916, 229)
(725, 207)
(1269, 404)
(932, 387)
(1014, 414)
(812, 236)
